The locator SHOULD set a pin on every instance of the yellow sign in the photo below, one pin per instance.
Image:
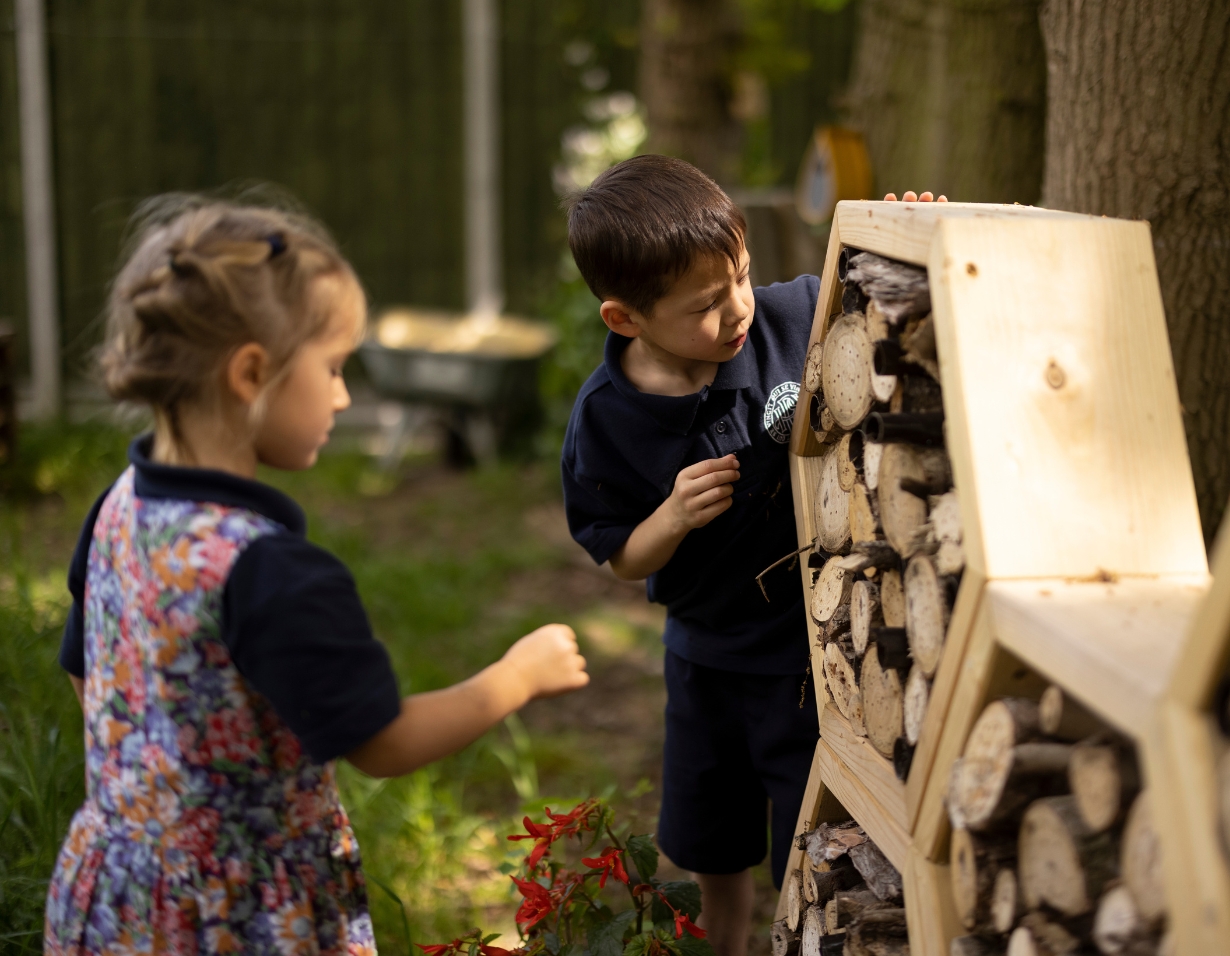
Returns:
(835, 167)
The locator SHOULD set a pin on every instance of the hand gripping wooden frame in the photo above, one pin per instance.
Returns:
(1085, 563)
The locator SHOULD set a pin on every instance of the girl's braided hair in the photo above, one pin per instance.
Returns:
(204, 278)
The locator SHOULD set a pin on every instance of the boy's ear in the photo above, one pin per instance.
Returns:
(247, 372)
(619, 318)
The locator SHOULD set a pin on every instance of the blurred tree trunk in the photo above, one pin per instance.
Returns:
(951, 96)
(1138, 126)
(686, 51)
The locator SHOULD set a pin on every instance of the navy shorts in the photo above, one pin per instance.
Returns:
(734, 742)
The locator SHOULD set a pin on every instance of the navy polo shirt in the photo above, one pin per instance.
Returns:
(291, 615)
(623, 449)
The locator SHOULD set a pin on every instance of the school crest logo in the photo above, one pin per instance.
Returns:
(779, 411)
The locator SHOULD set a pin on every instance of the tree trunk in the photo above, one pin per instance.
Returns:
(686, 52)
(951, 97)
(1138, 101)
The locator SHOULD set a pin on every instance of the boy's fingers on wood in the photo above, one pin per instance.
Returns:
(890, 197)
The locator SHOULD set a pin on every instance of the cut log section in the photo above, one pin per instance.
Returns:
(1005, 901)
(918, 346)
(846, 370)
(829, 882)
(945, 517)
(842, 682)
(879, 933)
(1140, 861)
(976, 863)
(872, 455)
(863, 523)
(821, 421)
(838, 626)
(1104, 779)
(784, 940)
(809, 882)
(794, 901)
(832, 506)
(864, 613)
(856, 715)
(926, 613)
(1061, 861)
(850, 905)
(917, 696)
(876, 322)
(830, 842)
(950, 558)
(883, 703)
(813, 929)
(1063, 717)
(811, 368)
(831, 590)
(882, 877)
(849, 460)
(892, 599)
(905, 471)
(1038, 936)
(1118, 929)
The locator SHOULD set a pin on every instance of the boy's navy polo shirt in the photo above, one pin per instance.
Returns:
(623, 449)
(291, 615)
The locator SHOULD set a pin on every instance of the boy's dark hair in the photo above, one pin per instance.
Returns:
(643, 223)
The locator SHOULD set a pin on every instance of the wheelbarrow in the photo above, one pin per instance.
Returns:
(477, 374)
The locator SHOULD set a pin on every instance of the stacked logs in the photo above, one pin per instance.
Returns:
(1053, 843)
(845, 898)
(887, 557)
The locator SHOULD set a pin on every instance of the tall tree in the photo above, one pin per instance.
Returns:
(1138, 126)
(687, 50)
(951, 96)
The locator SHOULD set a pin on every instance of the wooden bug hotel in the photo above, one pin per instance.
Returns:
(1016, 643)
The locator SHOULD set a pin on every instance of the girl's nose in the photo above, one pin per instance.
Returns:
(341, 395)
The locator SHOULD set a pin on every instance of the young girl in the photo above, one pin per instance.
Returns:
(223, 662)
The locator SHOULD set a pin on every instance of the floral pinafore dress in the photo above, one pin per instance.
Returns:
(205, 829)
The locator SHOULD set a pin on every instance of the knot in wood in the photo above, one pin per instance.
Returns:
(971, 268)
(1055, 376)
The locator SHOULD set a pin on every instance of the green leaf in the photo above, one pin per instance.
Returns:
(551, 943)
(489, 937)
(638, 945)
(689, 945)
(607, 938)
(644, 856)
(684, 895)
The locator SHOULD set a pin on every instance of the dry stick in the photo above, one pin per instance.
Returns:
(1061, 861)
(976, 862)
(864, 613)
(792, 557)
(926, 613)
(882, 702)
(917, 696)
(1105, 779)
(831, 506)
(809, 883)
(871, 554)
(1140, 861)
(882, 877)
(1066, 718)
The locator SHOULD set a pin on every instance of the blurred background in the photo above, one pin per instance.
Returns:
(436, 138)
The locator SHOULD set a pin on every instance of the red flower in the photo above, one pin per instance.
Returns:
(435, 949)
(542, 836)
(682, 922)
(537, 904)
(561, 825)
(610, 864)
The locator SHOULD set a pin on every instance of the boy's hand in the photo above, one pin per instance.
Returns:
(702, 492)
(911, 196)
(549, 661)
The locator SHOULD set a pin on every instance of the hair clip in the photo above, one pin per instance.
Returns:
(277, 244)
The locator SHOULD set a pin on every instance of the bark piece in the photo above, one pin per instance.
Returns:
(950, 558)
(871, 554)
(1038, 936)
(864, 525)
(853, 299)
(976, 862)
(945, 517)
(829, 882)
(903, 514)
(882, 877)
(812, 930)
(821, 421)
(920, 394)
(918, 346)
(917, 696)
(1066, 718)
(1061, 861)
(898, 290)
(1140, 861)
(794, 901)
(846, 371)
(926, 613)
(1104, 778)
(882, 703)
(872, 455)
(811, 368)
(892, 599)
(879, 933)
(832, 506)
(850, 905)
(1118, 929)
(809, 884)
(830, 590)
(838, 626)
(832, 841)
(1005, 900)
(876, 322)
(842, 682)
(784, 940)
(864, 613)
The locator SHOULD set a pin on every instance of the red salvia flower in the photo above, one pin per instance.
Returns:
(542, 836)
(683, 923)
(435, 949)
(537, 904)
(610, 864)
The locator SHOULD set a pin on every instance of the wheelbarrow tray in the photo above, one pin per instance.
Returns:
(470, 379)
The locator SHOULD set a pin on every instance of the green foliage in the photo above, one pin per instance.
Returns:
(573, 310)
(644, 856)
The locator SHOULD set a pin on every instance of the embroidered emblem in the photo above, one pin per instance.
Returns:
(779, 411)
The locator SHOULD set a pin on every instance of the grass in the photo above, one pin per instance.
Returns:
(452, 571)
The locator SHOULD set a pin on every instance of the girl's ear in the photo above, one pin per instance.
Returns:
(247, 372)
(619, 318)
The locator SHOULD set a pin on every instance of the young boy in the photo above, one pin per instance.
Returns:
(675, 470)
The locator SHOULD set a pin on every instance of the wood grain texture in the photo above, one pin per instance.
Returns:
(1110, 645)
(929, 906)
(1206, 650)
(802, 439)
(882, 824)
(858, 753)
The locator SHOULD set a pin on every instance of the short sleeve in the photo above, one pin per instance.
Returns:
(599, 522)
(297, 632)
(72, 644)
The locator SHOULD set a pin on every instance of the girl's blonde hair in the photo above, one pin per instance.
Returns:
(204, 278)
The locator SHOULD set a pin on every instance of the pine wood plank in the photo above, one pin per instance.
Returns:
(802, 438)
(865, 762)
(1111, 645)
(1206, 652)
(1064, 431)
(929, 907)
(881, 824)
(960, 627)
(804, 473)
